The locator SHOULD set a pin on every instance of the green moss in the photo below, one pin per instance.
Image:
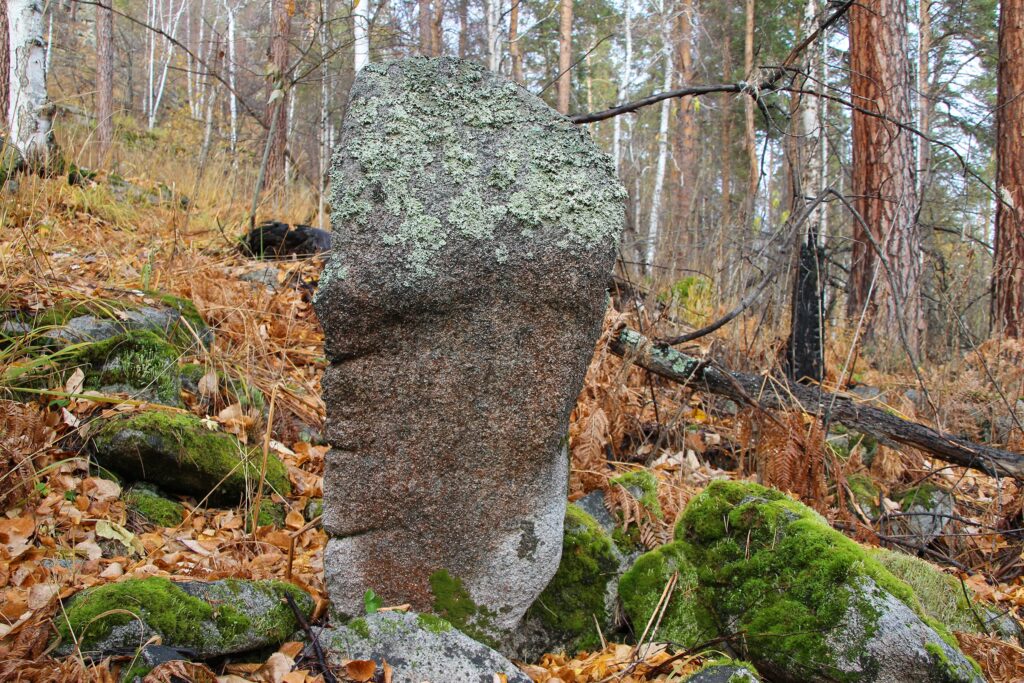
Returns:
(433, 624)
(454, 603)
(137, 672)
(184, 456)
(359, 627)
(685, 623)
(774, 569)
(576, 599)
(175, 614)
(139, 360)
(647, 483)
(271, 514)
(925, 496)
(185, 307)
(866, 493)
(749, 674)
(147, 501)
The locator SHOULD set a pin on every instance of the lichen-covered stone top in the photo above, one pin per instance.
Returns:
(439, 152)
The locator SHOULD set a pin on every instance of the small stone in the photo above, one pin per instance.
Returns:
(419, 648)
(739, 672)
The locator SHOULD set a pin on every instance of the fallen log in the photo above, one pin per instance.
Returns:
(780, 394)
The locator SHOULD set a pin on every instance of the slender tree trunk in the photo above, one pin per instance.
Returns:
(463, 29)
(804, 348)
(924, 100)
(29, 116)
(513, 42)
(625, 81)
(653, 225)
(492, 25)
(231, 10)
(564, 55)
(749, 133)
(425, 23)
(104, 78)
(686, 140)
(1008, 271)
(883, 181)
(361, 34)
(5, 66)
(437, 29)
(726, 148)
(277, 106)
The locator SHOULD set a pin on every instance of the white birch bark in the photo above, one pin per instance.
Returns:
(173, 19)
(810, 138)
(361, 34)
(659, 174)
(230, 9)
(492, 11)
(625, 81)
(325, 124)
(29, 113)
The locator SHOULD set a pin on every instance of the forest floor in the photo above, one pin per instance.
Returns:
(63, 242)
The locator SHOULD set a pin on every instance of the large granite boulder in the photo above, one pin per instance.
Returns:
(474, 230)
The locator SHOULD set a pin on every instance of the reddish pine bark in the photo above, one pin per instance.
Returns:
(564, 55)
(104, 78)
(883, 180)
(1008, 272)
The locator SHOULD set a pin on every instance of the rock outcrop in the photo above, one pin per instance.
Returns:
(473, 232)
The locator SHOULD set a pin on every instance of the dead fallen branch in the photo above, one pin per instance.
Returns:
(779, 394)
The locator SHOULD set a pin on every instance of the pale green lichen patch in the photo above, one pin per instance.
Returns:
(576, 599)
(441, 148)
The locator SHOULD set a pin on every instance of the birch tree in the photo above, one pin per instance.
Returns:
(659, 173)
(360, 34)
(29, 113)
(625, 81)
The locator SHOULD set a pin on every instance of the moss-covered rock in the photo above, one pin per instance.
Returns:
(945, 599)
(147, 501)
(211, 619)
(927, 509)
(725, 670)
(812, 605)
(866, 494)
(685, 623)
(139, 363)
(581, 595)
(453, 603)
(178, 453)
(643, 486)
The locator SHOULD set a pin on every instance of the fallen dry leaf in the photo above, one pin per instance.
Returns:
(360, 670)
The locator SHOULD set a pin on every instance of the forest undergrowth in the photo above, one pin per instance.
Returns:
(97, 241)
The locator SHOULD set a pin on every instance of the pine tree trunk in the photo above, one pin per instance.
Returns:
(749, 132)
(29, 115)
(1008, 272)
(564, 55)
(513, 42)
(686, 140)
(437, 29)
(463, 29)
(277, 106)
(104, 78)
(883, 183)
(426, 34)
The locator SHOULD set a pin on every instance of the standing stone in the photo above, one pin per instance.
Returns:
(474, 232)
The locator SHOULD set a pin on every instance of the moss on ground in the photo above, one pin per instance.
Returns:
(576, 598)
(647, 483)
(685, 623)
(139, 360)
(147, 501)
(180, 454)
(866, 493)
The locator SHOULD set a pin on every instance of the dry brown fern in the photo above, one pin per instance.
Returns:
(24, 435)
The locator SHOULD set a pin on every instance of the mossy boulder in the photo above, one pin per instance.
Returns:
(149, 503)
(140, 363)
(686, 623)
(420, 648)
(209, 618)
(180, 454)
(811, 604)
(945, 599)
(725, 671)
(579, 598)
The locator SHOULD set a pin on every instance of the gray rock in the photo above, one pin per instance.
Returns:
(724, 673)
(266, 276)
(90, 328)
(209, 619)
(927, 510)
(474, 230)
(593, 505)
(864, 392)
(419, 649)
